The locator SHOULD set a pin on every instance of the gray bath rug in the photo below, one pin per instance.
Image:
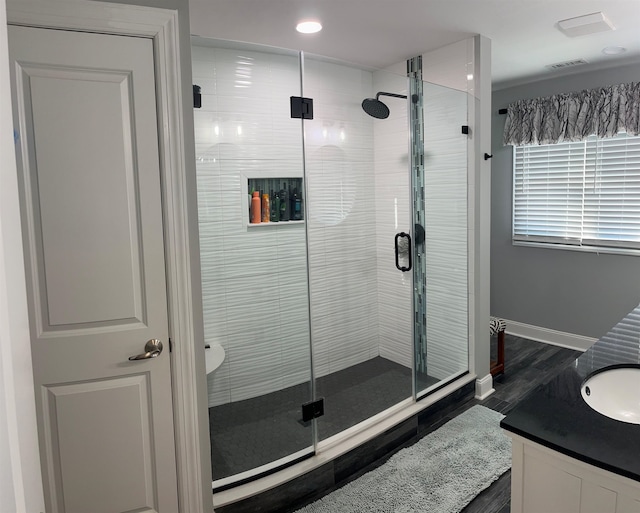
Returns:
(441, 473)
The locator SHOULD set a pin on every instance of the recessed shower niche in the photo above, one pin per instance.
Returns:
(275, 200)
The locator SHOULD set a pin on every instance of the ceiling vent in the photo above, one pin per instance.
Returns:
(567, 64)
(584, 25)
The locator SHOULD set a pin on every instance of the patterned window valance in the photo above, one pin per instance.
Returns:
(569, 117)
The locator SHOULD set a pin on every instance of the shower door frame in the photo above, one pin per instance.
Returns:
(418, 168)
(416, 395)
(231, 481)
(332, 440)
(478, 219)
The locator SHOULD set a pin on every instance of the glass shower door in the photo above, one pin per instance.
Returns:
(440, 267)
(340, 239)
(357, 169)
(250, 178)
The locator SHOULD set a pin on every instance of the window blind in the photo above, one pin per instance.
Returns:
(578, 193)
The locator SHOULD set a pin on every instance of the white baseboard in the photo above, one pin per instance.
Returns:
(548, 336)
(484, 387)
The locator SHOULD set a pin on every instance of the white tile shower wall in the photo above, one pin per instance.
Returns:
(342, 215)
(393, 215)
(446, 230)
(254, 280)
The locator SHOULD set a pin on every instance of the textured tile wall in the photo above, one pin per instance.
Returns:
(254, 279)
(342, 219)
(446, 230)
(452, 69)
(393, 215)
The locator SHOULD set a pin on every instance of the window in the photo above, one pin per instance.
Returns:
(583, 193)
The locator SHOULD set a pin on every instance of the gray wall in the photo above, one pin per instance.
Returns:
(571, 291)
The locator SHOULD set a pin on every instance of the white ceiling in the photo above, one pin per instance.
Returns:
(379, 33)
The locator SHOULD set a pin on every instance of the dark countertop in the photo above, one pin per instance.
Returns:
(556, 416)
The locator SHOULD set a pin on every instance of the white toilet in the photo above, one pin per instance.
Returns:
(214, 356)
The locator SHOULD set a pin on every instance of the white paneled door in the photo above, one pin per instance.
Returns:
(87, 140)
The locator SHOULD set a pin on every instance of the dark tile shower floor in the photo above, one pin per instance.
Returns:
(247, 434)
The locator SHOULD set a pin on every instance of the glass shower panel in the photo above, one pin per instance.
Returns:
(440, 269)
(358, 193)
(249, 162)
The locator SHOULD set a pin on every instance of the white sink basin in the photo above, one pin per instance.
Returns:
(615, 393)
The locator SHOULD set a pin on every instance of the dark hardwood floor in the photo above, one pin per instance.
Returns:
(528, 364)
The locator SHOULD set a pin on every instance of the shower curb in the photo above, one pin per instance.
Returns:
(292, 495)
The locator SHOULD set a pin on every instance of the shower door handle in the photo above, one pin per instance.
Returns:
(403, 235)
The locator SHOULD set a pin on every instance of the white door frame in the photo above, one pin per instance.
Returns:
(161, 25)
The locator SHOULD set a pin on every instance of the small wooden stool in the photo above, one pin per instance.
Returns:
(497, 326)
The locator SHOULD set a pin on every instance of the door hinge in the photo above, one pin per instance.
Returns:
(197, 97)
(170, 346)
(465, 129)
(301, 107)
(313, 410)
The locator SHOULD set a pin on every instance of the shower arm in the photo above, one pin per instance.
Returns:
(393, 95)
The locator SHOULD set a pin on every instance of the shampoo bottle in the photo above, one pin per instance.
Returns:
(255, 207)
(284, 203)
(296, 205)
(265, 208)
(275, 207)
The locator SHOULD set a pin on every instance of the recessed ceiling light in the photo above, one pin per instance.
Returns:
(614, 50)
(309, 27)
(587, 24)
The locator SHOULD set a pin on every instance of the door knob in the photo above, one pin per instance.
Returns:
(152, 349)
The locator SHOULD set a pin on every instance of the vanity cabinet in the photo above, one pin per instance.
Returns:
(546, 481)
